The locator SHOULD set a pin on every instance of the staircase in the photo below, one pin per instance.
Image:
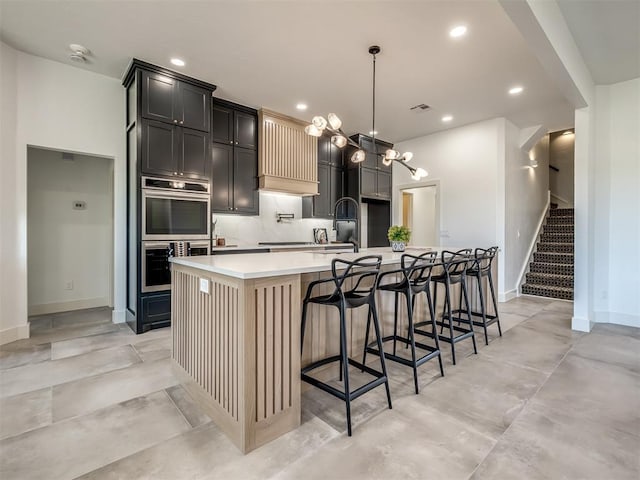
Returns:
(551, 272)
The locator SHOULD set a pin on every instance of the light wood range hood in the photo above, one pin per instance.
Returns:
(287, 156)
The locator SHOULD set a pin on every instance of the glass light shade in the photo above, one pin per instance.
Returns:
(334, 121)
(421, 173)
(319, 122)
(391, 154)
(358, 156)
(387, 161)
(313, 130)
(407, 156)
(339, 141)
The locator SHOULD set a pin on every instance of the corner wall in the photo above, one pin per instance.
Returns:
(67, 109)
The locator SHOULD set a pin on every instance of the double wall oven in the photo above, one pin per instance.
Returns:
(175, 222)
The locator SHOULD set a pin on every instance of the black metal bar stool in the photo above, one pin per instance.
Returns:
(416, 279)
(355, 287)
(454, 269)
(480, 269)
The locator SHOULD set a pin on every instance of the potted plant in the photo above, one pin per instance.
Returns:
(398, 235)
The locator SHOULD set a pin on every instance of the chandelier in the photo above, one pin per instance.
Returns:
(333, 125)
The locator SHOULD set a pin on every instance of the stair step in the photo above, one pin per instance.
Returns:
(555, 247)
(555, 220)
(550, 280)
(565, 229)
(561, 212)
(547, 257)
(552, 268)
(563, 293)
(557, 237)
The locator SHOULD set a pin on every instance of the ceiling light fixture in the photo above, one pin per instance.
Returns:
(515, 90)
(177, 62)
(458, 31)
(333, 125)
(301, 106)
(447, 118)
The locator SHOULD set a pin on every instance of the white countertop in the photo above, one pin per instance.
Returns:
(259, 265)
(253, 246)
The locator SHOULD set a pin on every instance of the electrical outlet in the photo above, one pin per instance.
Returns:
(204, 285)
(68, 285)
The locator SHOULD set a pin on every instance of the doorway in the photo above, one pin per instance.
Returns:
(69, 231)
(420, 213)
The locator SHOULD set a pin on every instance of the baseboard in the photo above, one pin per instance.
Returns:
(47, 308)
(618, 318)
(508, 295)
(12, 334)
(118, 316)
(581, 324)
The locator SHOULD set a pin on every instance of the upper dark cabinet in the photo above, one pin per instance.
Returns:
(166, 99)
(330, 182)
(234, 126)
(371, 178)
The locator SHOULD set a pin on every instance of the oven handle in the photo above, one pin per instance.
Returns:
(200, 197)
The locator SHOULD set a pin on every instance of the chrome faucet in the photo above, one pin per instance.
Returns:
(353, 237)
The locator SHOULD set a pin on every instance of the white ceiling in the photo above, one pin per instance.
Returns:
(277, 53)
(607, 33)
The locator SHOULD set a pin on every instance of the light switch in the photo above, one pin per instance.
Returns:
(204, 285)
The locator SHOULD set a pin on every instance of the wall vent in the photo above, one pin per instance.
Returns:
(421, 106)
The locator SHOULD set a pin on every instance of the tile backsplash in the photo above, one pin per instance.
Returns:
(241, 230)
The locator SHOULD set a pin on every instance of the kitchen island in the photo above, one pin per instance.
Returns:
(236, 334)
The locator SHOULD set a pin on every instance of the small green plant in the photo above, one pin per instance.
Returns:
(399, 233)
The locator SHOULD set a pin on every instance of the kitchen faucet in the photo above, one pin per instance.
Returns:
(353, 236)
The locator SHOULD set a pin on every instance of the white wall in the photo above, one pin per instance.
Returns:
(247, 231)
(525, 203)
(561, 155)
(618, 203)
(68, 109)
(468, 163)
(64, 244)
(13, 248)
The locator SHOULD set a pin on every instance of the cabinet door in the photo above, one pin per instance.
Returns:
(159, 148)
(384, 184)
(334, 154)
(222, 127)
(368, 182)
(221, 178)
(195, 154)
(370, 159)
(159, 97)
(322, 202)
(336, 190)
(194, 108)
(324, 149)
(245, 130)
(245, 181)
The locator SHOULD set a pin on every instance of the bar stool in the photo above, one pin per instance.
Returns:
(416, 279)
(455, 266)
(355, 287)
(482, 268)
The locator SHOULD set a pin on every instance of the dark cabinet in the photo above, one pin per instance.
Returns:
(234, 159)
(374, 178)
(175, 151)
(166, 99)
(234, 127)
(330, 182)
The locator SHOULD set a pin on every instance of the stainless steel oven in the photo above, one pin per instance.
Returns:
(175, 209)
(156, 268)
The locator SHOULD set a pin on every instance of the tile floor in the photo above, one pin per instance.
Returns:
(84, 398)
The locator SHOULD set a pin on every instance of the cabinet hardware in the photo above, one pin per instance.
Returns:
(181, 122)
(181, 173)
(175, 173)
(175, 121)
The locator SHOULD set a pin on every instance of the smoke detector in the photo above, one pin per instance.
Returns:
(78, 53)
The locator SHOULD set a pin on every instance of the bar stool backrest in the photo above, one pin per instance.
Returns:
(363, 273)
(417, 268)
(455, 264)
(484, 259)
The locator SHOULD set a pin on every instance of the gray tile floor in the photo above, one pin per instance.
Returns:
(83, 398)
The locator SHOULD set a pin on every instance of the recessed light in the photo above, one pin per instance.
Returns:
(458, 31)
(447, 118)
(568, 132)
(515, 90)
(177, 62)
(373, 132)
(301, 106)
